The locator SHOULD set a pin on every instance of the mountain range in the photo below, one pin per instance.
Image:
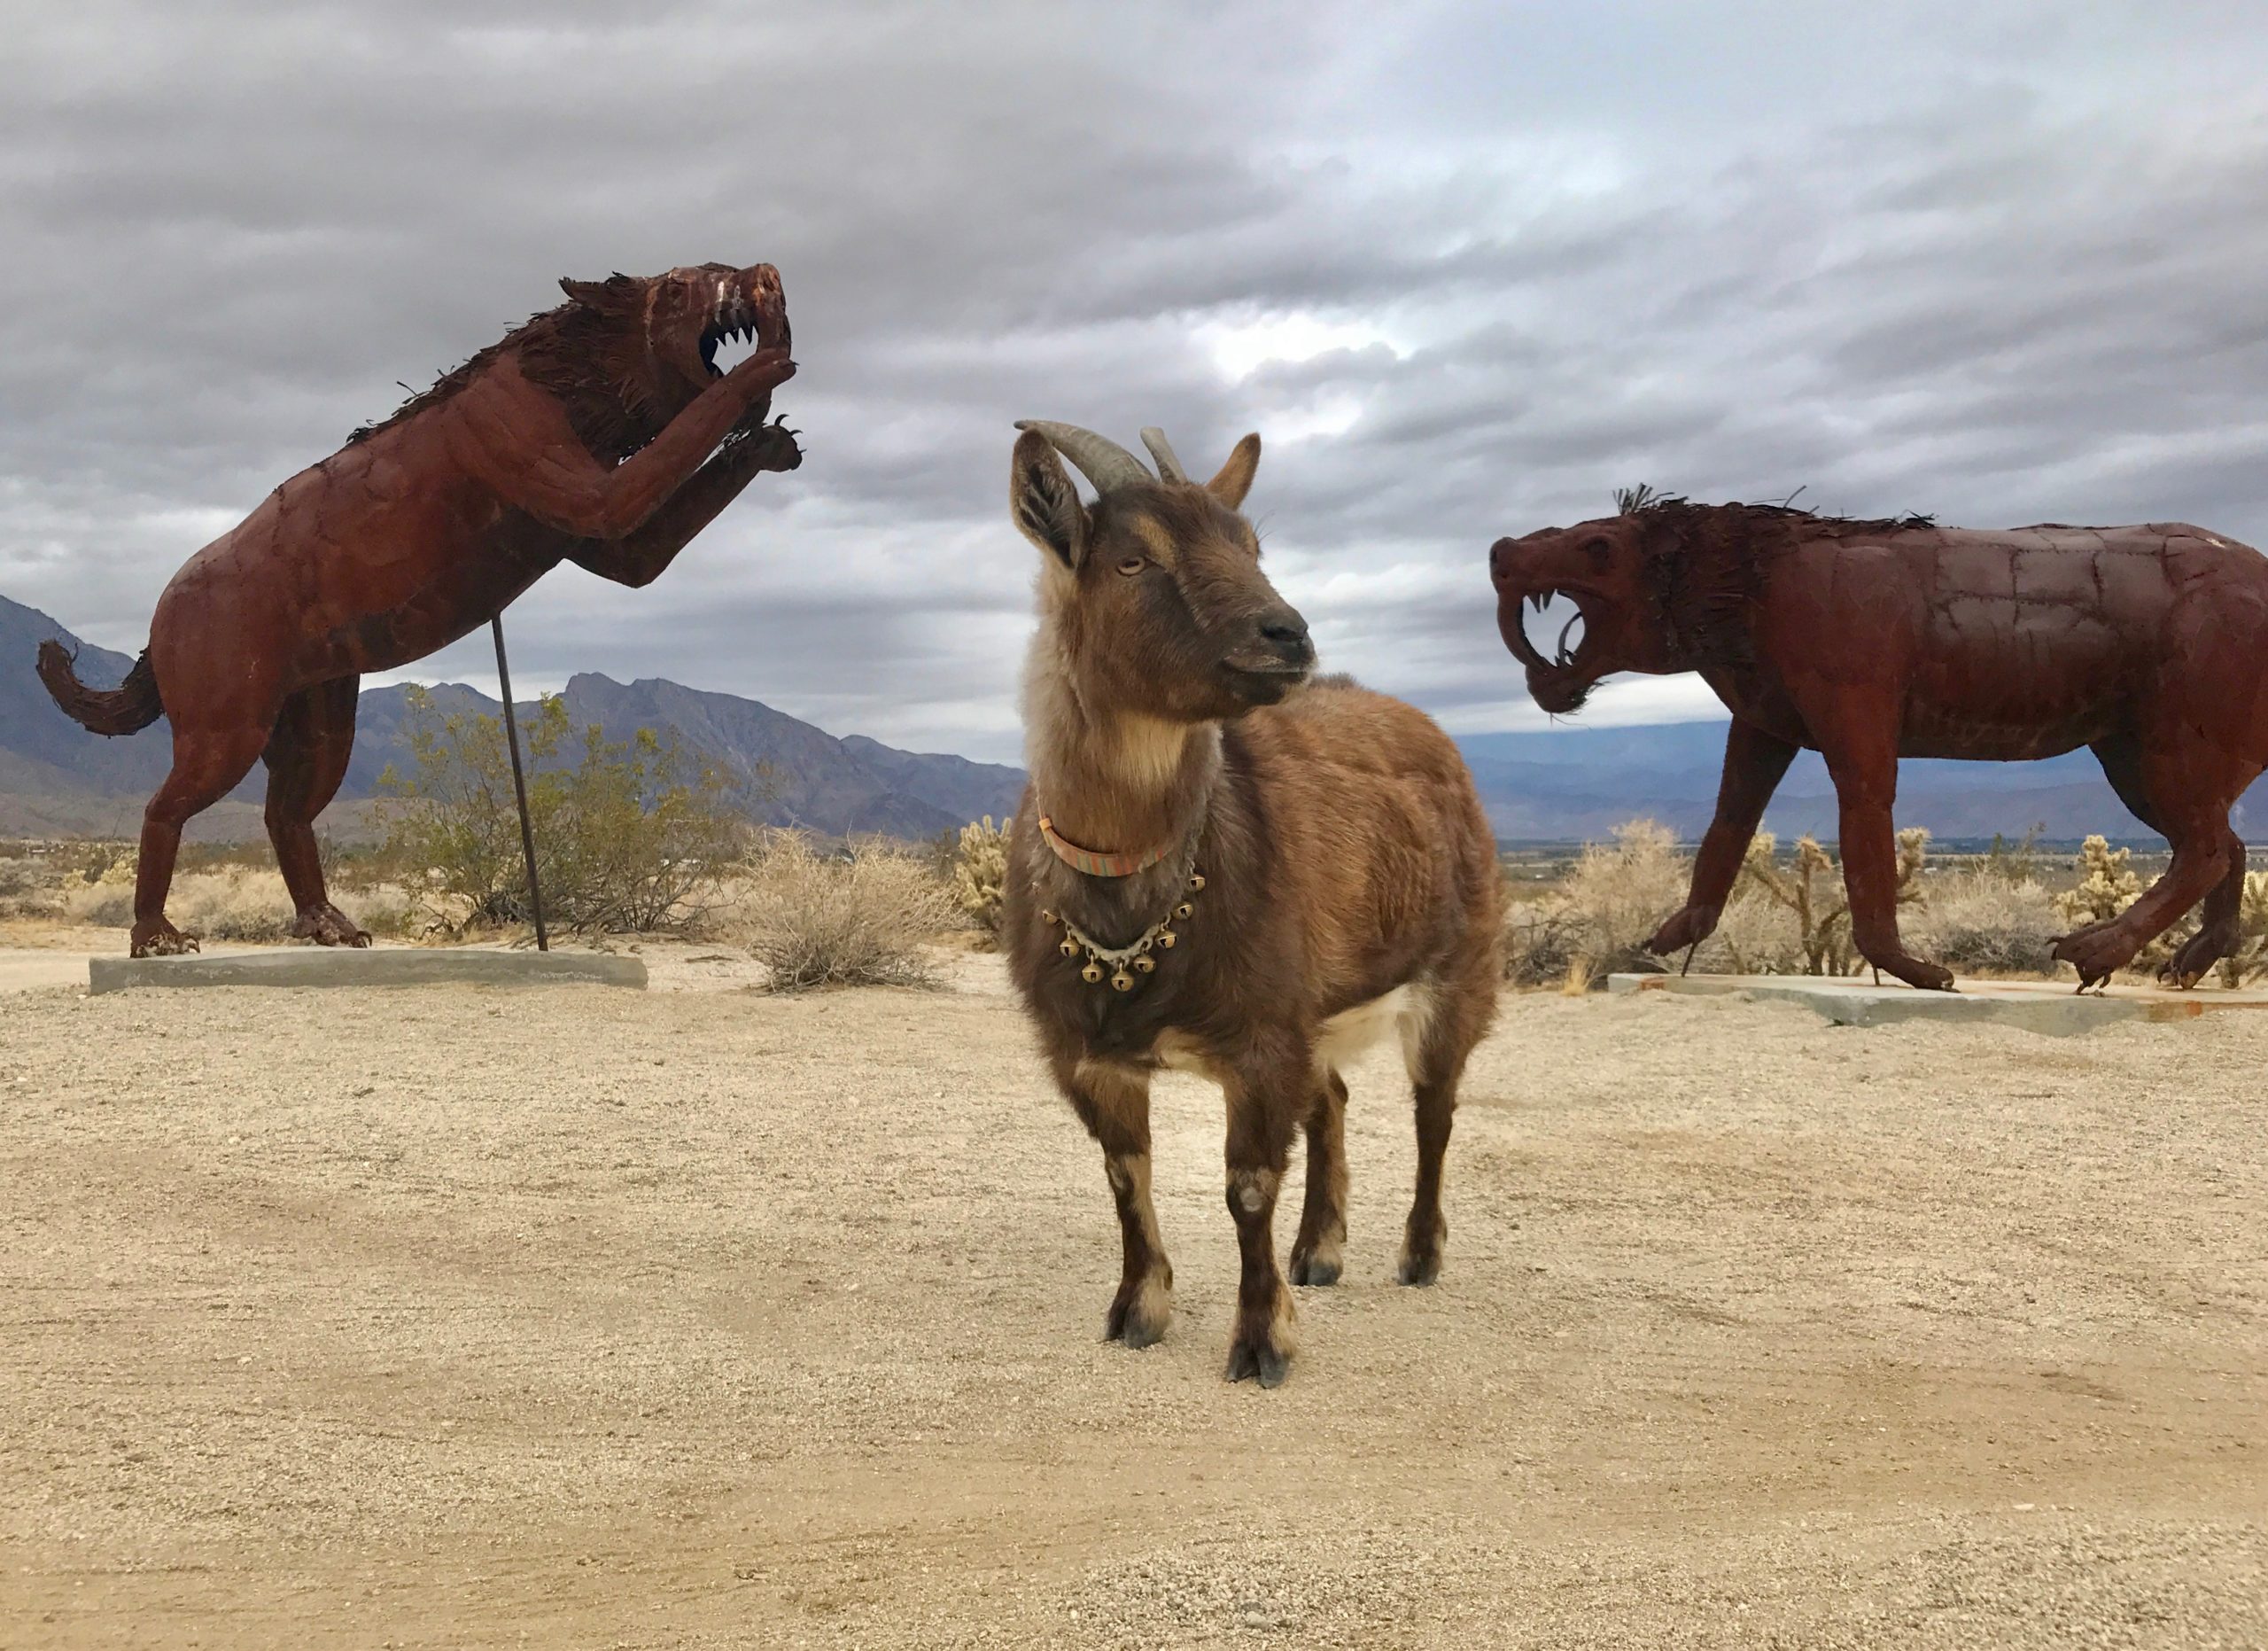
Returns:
(1559, 784)
(55, 778)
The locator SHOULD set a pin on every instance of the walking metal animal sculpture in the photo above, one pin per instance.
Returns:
(1870, 641)
(601, 433)
(1222, 866)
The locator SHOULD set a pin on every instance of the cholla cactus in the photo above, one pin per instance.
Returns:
(979, 870)
(2106, 885)
(2250, 954)
(1813, 889)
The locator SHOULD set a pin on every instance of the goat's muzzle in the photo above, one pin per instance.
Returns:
(1278, 657)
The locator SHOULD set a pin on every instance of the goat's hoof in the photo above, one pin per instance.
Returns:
(1319, 1261)
(1139, 1314)
(1259, 1359)
(1419, 1267)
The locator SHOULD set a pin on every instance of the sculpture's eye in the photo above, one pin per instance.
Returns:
(1133, 565)
(1600, 552)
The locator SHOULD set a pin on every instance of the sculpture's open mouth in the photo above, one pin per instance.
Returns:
(741, 323)
(726, 331)
(1547, 631)
(1551, 629)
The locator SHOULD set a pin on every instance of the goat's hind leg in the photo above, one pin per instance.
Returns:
(1114, 1103)
(1318, 1254)
(1438, 1033)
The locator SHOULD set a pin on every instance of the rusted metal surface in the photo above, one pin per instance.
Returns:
(599, 434)
(1870, 640)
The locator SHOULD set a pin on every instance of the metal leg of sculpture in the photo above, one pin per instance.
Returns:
(1865, 781)
(206, 767)
(2217, 931)
(306, 757)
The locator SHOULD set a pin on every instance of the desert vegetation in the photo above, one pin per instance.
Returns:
(1997, 914)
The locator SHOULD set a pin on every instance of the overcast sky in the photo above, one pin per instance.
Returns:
(1467, 269)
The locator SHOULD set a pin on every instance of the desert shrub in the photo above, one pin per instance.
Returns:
(1985, 920)
(980, 869)
(2107, 886)
(1619, 893)
(1542, 940)
(856, 916)
(630, 836)
(1811, 891)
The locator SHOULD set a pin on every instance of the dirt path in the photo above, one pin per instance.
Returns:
(695, 1318)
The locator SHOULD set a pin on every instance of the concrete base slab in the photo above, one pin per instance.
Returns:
(381, 966)
(2046, 1007)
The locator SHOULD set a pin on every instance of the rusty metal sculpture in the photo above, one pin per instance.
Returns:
(601, 433)
(1870, 641)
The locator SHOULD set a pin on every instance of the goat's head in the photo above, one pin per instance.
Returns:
(1154, 591)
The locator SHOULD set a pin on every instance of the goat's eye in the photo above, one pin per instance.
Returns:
(1133, 565)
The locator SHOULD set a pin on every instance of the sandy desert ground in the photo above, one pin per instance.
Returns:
(697, 1318)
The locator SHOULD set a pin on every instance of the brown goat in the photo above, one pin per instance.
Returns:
(1288, 871)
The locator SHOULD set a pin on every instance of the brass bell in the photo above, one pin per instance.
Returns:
(1092, 973)
(1165, 938)
(1143, 964)
(1047, 917)
(1196, 881)
(1067, 946)
(1122, 982)
(1185, 911)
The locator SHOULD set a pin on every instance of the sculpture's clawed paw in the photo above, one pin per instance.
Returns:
(2196, 959)
(1922, 975)
(1688, 927)
(2097, 952)
(327, 925)
(1140, 1313)
(161, 940)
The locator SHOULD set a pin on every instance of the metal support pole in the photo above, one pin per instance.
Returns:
(519, 784)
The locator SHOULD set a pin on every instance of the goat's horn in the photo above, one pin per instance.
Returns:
(1169, 467)
(1100, 460)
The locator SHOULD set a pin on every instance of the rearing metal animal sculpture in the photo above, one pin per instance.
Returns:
(581, 437)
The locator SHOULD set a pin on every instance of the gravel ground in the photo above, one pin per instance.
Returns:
(572, 1316)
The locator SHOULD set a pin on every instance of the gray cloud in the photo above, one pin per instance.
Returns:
(1466, 273)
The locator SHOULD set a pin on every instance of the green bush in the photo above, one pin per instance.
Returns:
(631, 835)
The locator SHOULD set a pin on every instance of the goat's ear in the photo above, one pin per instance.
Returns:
(1044, 503)
(1235, 479)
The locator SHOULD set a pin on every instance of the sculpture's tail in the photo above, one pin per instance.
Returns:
(132, 705)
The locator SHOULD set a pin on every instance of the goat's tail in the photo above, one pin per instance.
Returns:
(129, 707)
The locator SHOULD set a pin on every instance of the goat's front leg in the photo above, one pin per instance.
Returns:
(1265, 1098)
(641, 557)
(1114, 1103)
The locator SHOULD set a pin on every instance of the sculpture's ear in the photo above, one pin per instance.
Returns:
(1044, 503)
(1235, 479)
(596, 294)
